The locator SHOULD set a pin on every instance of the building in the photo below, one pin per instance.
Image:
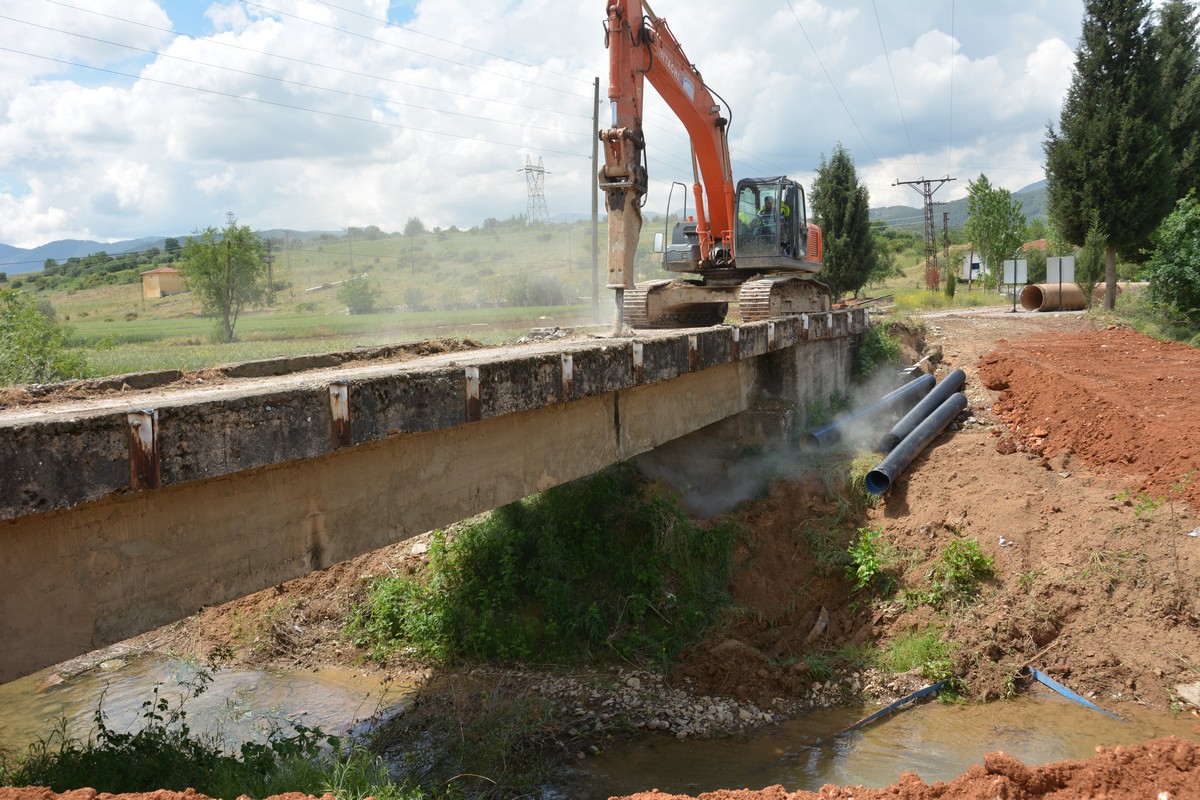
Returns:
(162, 282)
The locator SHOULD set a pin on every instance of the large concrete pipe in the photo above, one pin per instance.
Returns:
(1045, 297)
(902, 398)
(949, 385)
(879, 480)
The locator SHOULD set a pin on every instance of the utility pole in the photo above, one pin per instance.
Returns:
(270, 276)
(946, 236)
(932, 280)
(595, 201)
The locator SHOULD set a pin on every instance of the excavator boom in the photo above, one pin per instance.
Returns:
(747, 240)
(642, 47)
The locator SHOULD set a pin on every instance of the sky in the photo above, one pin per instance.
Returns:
(132, 118)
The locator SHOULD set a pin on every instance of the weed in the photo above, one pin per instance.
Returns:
(924, 650)
(957, 575)
(163, 753)
(871, 562)
(820, 665)
(878, 346)
(1026, 579)
(594, 566)
(861, 499)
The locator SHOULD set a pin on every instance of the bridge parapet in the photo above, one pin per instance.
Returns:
(131, 510)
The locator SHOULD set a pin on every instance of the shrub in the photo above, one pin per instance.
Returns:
(33, 347)
(592, 566)
(878, 346)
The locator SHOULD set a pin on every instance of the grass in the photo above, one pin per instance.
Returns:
(924, 650)
(163, 753)
(151, 344)
(955, 578)
(597, 568)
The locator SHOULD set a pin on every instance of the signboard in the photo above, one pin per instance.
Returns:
(1060, 269)
(1016, 270)
(971, 268)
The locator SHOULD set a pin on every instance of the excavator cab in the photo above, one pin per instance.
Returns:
(772, 232)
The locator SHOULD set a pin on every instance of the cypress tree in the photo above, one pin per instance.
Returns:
(1175, 42)
(1111, 155)
(841, 206)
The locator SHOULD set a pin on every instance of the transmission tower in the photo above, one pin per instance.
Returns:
(932, 281)
(535, 180)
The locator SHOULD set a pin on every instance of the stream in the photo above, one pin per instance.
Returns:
(936, 740)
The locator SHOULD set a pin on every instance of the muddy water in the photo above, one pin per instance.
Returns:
(937, 741)
(240, 705)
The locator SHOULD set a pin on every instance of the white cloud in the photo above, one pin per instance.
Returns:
(322, 117)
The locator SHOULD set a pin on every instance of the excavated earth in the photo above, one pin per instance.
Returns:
(1072, 468)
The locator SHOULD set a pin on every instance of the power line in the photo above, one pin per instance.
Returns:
(286, 81)
(451, 42)
(401, 47)
(895, 90)
(305, 62)
(832, 85)
(950, 146)
(289, 106)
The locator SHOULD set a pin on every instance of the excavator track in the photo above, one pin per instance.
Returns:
(637, 314)
(781, 296)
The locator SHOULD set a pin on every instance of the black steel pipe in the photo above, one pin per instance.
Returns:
(879, 480)
(897, 398)
(949, 385)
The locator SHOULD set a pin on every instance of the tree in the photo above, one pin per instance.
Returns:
(1175, 40)
(994, 225)
(1175, 264)
(33, 348)
(414, 227)
(841, 206)
(172, 248)
(227, 270)
(1090, 265)
(1111, 155)
(358, 295)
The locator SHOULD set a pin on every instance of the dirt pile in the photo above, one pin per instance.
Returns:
(1168, 769)
(1114, 399)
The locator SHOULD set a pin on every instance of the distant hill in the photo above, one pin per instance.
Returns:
(1033, 205)
(20, 260)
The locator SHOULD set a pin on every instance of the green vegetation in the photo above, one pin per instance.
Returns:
(593, 568)
(878, 347)
(956, 577)
(872, 563)
(995, 226)
(1112, 153)
(841, 206)
(923, 650)
(1174, 266)
(32, 344)
(227, 271)
(163, 753)
(359, 295)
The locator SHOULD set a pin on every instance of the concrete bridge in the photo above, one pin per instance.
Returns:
(127, 510)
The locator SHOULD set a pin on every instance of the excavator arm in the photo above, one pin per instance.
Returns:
(640, 47)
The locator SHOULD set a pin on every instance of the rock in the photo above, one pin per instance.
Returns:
(633, 682)
(1189, 692)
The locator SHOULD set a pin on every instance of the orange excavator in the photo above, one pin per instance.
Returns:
(750, 242)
